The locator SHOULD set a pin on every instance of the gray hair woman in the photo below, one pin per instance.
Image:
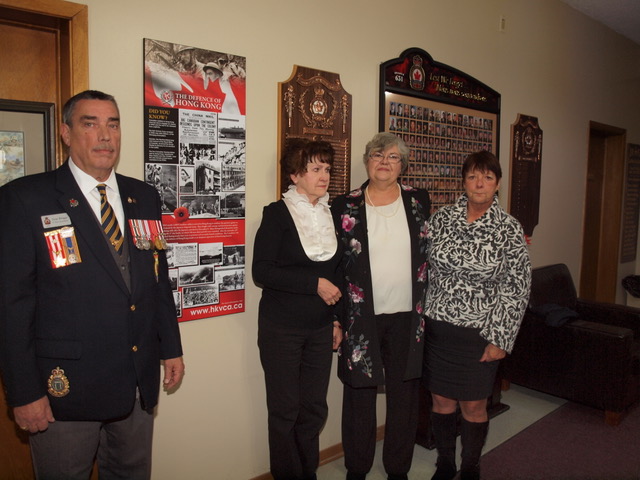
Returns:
(382, 227)
(384, 141)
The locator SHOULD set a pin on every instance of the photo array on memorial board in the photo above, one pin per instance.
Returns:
(439, 138)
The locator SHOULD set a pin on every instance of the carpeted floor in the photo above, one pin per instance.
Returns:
(571, 443)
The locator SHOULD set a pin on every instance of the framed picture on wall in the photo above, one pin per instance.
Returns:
(27, 139)
(442, 115)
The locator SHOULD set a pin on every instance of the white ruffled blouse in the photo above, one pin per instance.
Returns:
(313, 223)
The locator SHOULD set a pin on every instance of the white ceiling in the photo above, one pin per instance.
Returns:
(623, 16)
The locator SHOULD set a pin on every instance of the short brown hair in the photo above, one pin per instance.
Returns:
(482, 161)
(299, 152)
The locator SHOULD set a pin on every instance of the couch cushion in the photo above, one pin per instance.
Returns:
(552, 284)
(554, 315)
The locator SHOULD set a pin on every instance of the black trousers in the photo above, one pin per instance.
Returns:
(297, 366)
(359, 405)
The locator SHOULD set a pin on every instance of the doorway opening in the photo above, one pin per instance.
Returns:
(602, 213)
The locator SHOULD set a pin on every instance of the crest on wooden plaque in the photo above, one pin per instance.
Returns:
(314, 105)
(526, 168)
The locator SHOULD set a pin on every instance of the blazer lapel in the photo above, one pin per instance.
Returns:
(414, 233)
(131, 211)
(414, 229)
(361, 226)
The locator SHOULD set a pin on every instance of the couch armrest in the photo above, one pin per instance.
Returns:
(583, 361)
(610, 314)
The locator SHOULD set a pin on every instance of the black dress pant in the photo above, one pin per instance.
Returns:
(297, 367)
(359, 406)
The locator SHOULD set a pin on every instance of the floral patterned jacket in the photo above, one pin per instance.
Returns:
(359, 357)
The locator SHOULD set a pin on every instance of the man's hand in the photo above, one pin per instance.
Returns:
(173, 372)
(35, 416)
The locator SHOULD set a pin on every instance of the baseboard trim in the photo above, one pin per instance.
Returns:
(328, 455)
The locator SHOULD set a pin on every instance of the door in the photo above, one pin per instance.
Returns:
(44, 58)
(44, 54)
(602, 215)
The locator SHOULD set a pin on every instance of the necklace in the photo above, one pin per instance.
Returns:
(377, 210)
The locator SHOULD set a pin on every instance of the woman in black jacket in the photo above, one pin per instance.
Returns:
(295, 261)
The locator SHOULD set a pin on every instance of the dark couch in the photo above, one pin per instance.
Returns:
(584, 351)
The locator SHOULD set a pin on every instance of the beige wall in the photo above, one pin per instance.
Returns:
(551, 62)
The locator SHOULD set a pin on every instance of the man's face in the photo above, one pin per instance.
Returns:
(93, 137)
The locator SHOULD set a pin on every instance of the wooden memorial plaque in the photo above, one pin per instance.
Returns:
(631, 205)
(314, 105)
(526, 168)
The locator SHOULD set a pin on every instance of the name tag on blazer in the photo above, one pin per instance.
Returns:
(55, 220)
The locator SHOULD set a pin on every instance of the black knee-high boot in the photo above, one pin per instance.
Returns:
(444, 427)
(473, 436)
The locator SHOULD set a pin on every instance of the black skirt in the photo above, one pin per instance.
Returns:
(452, 368)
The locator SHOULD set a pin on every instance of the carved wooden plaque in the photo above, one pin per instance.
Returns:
(526, 168)
(314, 105)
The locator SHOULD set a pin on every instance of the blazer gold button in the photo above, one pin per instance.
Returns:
(134, 348)
(132, 308)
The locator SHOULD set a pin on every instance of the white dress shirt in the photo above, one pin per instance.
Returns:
(390, 257)
(88, 186)
(313, 223)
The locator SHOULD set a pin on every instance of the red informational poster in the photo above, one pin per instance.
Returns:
(195, 148)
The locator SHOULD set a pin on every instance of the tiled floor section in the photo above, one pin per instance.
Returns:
(527, 406)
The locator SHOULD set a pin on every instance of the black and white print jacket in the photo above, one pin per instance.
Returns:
(479, 272)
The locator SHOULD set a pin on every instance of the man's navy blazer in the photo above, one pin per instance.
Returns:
(81, 317)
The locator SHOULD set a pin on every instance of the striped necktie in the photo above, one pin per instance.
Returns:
(108, 220)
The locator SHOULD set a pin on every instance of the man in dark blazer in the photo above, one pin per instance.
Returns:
(85, 322)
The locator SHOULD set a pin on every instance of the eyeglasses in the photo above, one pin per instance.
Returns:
(392, 158)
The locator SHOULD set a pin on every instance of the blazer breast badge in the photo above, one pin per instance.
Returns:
(58, 383)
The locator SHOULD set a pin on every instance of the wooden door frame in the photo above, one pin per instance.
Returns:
(602, 223)
(71, 21)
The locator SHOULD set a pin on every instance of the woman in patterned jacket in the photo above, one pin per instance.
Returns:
(382, 226)
(479, 283)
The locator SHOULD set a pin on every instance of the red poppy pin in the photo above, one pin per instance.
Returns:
(181, 214)
(73, 202)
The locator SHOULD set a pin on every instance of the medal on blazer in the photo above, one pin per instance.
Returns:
(163, 241)
(147, 234)
(58, 383)
(70, 244)
(63, 247)
(139, 238)
(158, 235)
